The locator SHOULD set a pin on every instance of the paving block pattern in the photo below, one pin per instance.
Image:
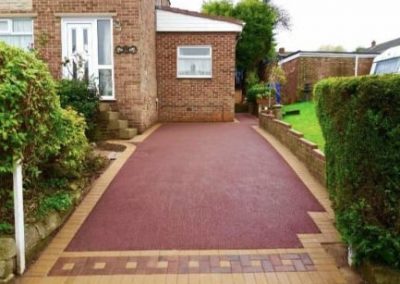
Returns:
(190, 264)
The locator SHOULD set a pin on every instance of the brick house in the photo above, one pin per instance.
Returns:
(303, 69)
(150, 62)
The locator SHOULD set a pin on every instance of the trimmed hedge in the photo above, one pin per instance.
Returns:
(360, 119)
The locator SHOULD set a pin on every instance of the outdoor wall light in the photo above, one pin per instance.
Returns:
(131, 49)
(119, 49)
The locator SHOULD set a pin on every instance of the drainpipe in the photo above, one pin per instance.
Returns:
(356, 67)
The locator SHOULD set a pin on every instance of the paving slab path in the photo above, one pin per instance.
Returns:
(201, 186)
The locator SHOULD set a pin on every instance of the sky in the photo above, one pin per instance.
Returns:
(349, 23)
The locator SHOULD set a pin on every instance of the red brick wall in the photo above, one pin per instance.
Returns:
(196, 99)
(289, 90)
(135, 75)
(310, 70)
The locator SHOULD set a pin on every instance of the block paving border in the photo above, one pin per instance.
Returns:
(191, 264)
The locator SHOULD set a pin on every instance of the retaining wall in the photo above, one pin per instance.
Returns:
(306, 151)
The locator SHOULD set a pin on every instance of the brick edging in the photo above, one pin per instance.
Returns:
(306, 151)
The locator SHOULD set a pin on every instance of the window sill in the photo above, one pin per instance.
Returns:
(108, 100)
(195, 77)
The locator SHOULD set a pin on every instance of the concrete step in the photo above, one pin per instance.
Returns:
(127, 133)
(109, 115)
(104, 107)
(117, 124)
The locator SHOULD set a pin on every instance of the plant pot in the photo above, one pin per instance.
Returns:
(263, 102)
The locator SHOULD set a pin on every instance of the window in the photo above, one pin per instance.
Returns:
(194, 62)
(391, 65)
(17, 32)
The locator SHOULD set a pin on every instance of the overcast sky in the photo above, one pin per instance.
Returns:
(349, 23)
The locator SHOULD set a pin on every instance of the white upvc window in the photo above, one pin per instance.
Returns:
(17, 32)
(194, 62)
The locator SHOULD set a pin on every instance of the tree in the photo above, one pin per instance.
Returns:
(334, 48)
(361, 49)
(218, 8)
(257, 39)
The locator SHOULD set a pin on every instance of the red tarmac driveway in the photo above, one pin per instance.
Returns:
(201, 186)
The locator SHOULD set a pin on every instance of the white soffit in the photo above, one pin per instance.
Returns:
(168, 21)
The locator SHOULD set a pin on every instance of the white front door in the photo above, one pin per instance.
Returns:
(88, 53)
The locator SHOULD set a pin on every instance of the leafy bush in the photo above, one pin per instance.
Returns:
(33, 124)
(85, 100)
(28, 109)
(50, 140)
(258, 91)
(360, 119)
(251, 79)
(61, 201)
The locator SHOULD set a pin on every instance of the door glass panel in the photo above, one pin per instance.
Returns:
(74, 65)
(86, 48)
(104, 42)
(105, 83)
(74, 48)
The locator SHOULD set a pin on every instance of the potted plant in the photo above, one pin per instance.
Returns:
(264, 96)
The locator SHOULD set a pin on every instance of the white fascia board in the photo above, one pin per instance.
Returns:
(326, 55)
(168, 21)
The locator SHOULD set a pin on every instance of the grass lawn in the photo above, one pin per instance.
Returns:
(306, 122)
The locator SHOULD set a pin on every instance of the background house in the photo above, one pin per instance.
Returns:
(304, 68)
(382, 47)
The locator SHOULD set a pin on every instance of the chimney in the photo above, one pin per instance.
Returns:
(281, 50)
(373, 43)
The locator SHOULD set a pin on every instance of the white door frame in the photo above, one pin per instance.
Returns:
(94, 67)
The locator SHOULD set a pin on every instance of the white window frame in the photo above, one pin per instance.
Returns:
(179, 56)
(10, 31)
(94, 64)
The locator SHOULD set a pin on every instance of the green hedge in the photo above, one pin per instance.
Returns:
(360, 119)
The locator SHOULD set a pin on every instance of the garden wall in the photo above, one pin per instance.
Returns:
(37, 237)
(309, 70)
(306, 151)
